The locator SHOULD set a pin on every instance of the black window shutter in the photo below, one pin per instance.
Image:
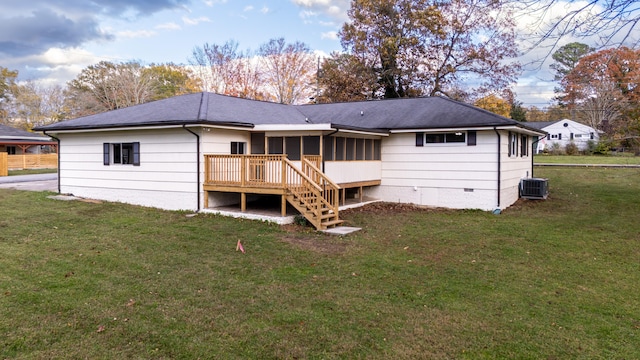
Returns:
(136, 154)
(106, 159)
(419, 139)
(471, 138)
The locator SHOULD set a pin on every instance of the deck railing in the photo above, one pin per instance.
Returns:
(330, 193)
(307, 183)
(245, 170)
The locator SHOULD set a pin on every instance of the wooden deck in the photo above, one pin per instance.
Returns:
(307, 189)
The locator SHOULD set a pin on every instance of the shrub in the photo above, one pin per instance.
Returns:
(571, 148)
(555, 149)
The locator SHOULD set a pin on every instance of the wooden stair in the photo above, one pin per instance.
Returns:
(314, 195)
(320, 217)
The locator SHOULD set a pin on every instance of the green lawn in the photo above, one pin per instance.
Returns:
(620, 159)
(554, 279)
(32, 171)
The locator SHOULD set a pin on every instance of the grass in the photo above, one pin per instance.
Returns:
(545, 279)
(619, 159)
(32, 171)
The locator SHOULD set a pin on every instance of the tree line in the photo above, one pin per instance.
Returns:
(461, 49)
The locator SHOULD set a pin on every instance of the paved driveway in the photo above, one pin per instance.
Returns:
(36, 182)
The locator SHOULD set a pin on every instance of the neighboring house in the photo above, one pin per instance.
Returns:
(18, 142)
(205, 150)
(563, 132)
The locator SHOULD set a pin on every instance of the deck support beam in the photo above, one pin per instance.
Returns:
(243, 201)
(283, 205)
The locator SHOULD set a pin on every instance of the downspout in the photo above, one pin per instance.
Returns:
(58, 140)
(534, 145)
(184, 126)
(499, 164)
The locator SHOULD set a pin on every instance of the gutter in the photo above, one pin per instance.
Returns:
(499, 164)
(197, 164)
(58, 140)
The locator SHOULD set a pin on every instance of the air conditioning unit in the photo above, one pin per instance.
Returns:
(534, 188)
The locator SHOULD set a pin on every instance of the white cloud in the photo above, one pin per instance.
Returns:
(196, 21)
(210, 3)
(265, 10)
(248, 8)
(169, 26)
(129, 34)
(336, 9)
(333, 35)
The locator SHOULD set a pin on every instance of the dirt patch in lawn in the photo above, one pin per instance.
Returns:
(381, 208)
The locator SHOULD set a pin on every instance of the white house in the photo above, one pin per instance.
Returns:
(564, 132)
(204, 150)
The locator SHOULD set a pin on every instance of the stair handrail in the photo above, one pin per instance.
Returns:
(306, 183)
(334, 202)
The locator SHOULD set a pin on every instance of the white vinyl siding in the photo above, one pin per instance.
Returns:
(452, 175)
(166, 177)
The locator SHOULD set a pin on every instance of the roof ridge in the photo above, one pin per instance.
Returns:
(204, 106)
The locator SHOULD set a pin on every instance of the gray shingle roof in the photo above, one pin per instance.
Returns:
(541, 124)
(208, 108)
(406, 113)
(8, 132)
(199, 108)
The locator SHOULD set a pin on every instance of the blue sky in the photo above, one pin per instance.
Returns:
(53, 40)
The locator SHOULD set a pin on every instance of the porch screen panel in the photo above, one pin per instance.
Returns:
(311, 145)
(292, 145)
(327, 148)
(351, 149)
(276, 145)
(340, 148)
(368, 149)
(359, 149)
(257, 143)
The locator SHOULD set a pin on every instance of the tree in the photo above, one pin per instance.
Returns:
(217, 65)
(430, 47)
(389, 37)
(171, 80)
(35, 105)
(288, 70)
(604, 90)
(7, 81)
(276, 72)
(344, 78)
(611, 21)
(566, 58)
(518, 112)
(495, 104)
(111, 86)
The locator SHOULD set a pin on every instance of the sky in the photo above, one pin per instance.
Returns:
(53, 40)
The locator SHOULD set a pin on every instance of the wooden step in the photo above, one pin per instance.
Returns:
(332, 223)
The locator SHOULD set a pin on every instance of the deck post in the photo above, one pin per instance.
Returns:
(243, 201)
(283, 205)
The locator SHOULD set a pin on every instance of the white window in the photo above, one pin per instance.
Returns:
(121, 153)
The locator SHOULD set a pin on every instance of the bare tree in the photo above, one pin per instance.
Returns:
(612, 22)
(289, 70)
